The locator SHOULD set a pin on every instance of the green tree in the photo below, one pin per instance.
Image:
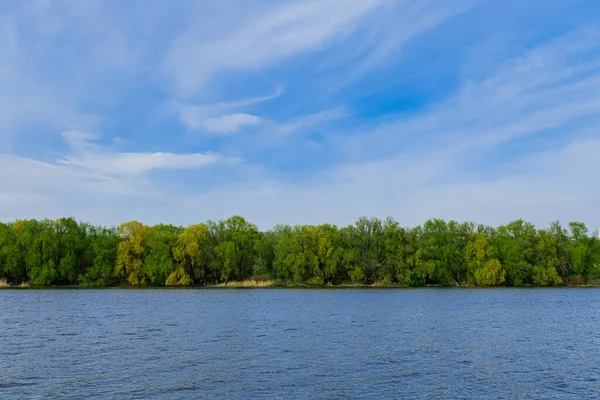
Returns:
(514, 246)
(34, 243)
(12, 268)
(290, 257)
(366, 249)
(264, 267)
(158, 260)
(65, 252)
(322, 245)
(443, 245)
(584, 253)
(70, 244)
(103, 255)
(234, 248)
(545, 271)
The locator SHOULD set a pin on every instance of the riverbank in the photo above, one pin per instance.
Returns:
(272, 284)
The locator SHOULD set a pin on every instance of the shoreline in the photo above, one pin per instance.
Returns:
(261, 285)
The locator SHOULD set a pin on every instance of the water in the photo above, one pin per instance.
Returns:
(300, 344)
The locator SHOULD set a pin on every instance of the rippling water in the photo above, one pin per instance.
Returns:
(313, 344)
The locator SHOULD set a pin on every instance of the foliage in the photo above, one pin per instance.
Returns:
(178, 278)
(131, 251)
(158, 261)
(191, 251)
(234, 248)
(491, 274)
(227, 252)
(487, 271)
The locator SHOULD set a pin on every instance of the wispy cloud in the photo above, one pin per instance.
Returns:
(318, 118)
(276, 34)
(450, 161)
(487, 139)
(51, 53)
(128, 164)
(90, 174)
(401, 22)
(95, 158)
(530, 95)
(222, 117)
(556, 184)
(224, 124)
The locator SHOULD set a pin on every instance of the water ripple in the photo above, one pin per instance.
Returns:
(300, 344)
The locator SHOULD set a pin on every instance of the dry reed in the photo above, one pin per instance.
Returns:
(247, 283)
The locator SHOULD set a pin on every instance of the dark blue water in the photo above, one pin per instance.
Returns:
(300, 344)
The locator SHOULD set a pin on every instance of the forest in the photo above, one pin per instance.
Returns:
(369, 252)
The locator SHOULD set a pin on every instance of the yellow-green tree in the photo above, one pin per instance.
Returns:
(130, 252)
(486, 270)
(178, 278)
(190, 253)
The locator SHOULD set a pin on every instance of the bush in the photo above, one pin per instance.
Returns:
(178, 278)
(491, 274)
(357, 275)
(546, 276)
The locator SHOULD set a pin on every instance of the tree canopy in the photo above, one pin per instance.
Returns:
(370, 251)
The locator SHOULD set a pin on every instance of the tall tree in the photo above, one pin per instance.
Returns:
(103, 255)
(191, 252)
(158, 260)
(323, 252)
(265, 255)
(290, 257)
(12, 267)
(486, 270)
(514, 246)
(131, 251)
(234, 248)
(366, 249)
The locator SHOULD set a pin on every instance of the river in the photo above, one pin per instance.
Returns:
(300, 344)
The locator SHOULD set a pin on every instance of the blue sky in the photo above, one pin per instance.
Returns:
(300, 111)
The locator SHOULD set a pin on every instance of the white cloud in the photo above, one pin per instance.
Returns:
(79, 140)
(539, 92)
(440, 163)
(221, 118)
(318, 118)
(436, 162)
(24, 97)
(401, 22)
(278, 33)
(557, 184)
(90, 180)
(554, 184)
(228, 123)
(286, 134)
(51, 53)
(95, 158)
(128, 164)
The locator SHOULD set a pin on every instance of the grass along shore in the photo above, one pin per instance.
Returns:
(258, 284)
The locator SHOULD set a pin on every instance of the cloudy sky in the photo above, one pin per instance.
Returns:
(303, 111)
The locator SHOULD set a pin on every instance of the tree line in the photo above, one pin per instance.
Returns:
(370, 251)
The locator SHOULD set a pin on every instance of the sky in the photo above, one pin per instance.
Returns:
(300, 112)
